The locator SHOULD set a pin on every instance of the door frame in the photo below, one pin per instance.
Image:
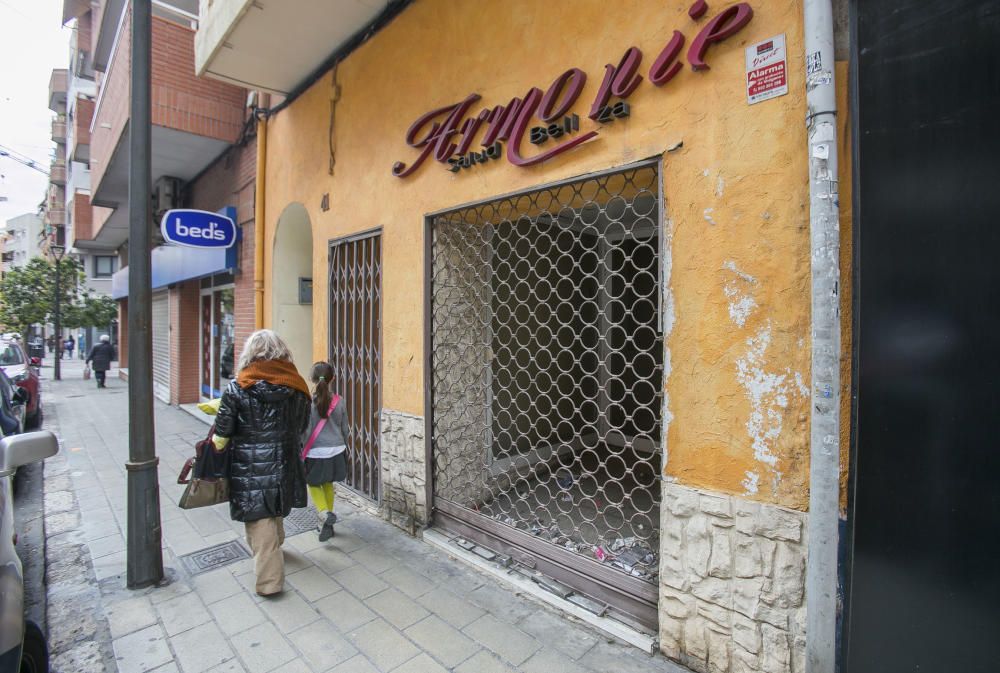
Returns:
(331, 244)
(210, 292)
(636, 598)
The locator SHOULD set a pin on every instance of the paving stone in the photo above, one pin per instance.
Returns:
(295, 560)
(374, 559)
(312, 583)
(331, 561)
(213, 586)
(410, 583)
(169, 668)
(344, 611)
(552, 661)
(383, 644)
(262, 648)
(442, 640)
(421, 663)
(396, 608)
(613, 656)
(360, 582)
(294, 666)
(108, 566)
(182, 613)
(173, 590)
(513, 645)
(456, 611)
(559, 632)
(502, 603)
(322, 646)
(106, 545)
(231, 666)
(201, 648)
(142, 651)
(289, 611)
(487, 662)
(130, 615)
(236, 613)
(358, 664)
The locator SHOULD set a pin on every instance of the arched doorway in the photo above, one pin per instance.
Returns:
(291, 283)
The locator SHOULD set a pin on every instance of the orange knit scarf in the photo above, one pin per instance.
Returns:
(278, 372)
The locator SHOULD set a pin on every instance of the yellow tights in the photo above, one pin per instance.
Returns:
(322, 496)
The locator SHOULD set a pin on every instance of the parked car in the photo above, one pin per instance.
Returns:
(23, 371)
(12, 407)
(22, 644)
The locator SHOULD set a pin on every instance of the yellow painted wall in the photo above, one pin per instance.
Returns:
(736, 202)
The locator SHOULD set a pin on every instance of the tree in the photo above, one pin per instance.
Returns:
(27, 297)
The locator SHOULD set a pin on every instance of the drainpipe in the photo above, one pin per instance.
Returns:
(824, 441)
(258, 222)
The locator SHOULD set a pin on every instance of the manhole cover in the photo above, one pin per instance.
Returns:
(301, 520)
(214, 557)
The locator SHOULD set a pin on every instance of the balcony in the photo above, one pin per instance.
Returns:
(194, 119)
(82, 119)
(83, 222)
(275, 46)
(58, 86)
(59, 129)
(56, 217)
(57, 173)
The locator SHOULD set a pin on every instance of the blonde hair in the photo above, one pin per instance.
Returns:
(264, 345)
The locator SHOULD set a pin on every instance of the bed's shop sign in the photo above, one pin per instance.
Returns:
(447, 134)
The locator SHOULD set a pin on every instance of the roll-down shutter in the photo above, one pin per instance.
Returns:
(161, 346)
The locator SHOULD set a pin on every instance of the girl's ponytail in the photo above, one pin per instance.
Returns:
(322, 375)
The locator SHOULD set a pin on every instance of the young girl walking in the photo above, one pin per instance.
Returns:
(324, 450)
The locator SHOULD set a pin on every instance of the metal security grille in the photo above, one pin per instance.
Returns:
(355, 353)
(546, 356)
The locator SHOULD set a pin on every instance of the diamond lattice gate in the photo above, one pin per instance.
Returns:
(546, 380)
(355, 353)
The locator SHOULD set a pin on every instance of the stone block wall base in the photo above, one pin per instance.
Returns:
(732, 583)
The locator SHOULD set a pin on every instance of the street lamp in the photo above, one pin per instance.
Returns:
(58, 252)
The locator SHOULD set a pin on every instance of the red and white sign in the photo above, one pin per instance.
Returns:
(767, 70)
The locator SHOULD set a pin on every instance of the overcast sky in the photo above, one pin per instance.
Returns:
(32, 43)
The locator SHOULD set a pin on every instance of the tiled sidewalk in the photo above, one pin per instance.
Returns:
(372, 599)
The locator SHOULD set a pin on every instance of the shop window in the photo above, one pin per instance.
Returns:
(547, 366)
(105, 266)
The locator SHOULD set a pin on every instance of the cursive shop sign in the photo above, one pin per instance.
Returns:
(447, 134)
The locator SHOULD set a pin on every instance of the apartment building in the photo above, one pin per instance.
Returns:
(203, 156)
(22, 239)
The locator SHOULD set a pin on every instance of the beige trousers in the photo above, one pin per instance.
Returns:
(265, 537)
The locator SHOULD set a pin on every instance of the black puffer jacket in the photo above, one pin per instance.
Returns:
(265, 423)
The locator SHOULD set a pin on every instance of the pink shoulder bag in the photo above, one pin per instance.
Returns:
(319, 427)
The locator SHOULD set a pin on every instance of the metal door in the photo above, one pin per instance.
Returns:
(161, 345)
(356, 353)
(546, 380)
(924, 593)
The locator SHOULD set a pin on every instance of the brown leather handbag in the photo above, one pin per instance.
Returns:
(206, 476)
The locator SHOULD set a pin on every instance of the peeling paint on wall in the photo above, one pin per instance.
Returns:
(741, 304)
(708, 215)
(768, 395)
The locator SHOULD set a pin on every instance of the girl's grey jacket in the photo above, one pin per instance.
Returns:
(335, 432)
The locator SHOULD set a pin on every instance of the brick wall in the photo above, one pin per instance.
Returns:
(184, 338)
(183, 101)
(180, 100)
(230, 182)
(84, 35)
(83, 217)
(81, 121)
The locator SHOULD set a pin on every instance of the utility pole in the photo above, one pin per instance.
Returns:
(144, 554)
(58, 251)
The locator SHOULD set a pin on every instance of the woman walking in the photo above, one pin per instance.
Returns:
(325, 447)
(263, 413)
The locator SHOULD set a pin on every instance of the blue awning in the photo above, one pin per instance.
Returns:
(174, 264)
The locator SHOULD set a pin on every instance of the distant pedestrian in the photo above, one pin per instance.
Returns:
(325, 447)
(51, 342)
(101, 355)
(263, 413)
(68, 345)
